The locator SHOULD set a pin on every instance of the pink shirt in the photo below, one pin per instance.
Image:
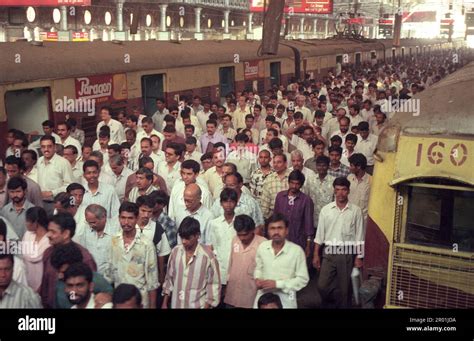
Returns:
(241, 288)
(34, 260)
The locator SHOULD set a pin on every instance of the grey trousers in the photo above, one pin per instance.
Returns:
(335, 279)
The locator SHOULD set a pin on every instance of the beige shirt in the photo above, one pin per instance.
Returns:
(360, 191)
(288, 268)
(241, 288)
(302, 146)
(238, 118)
(340, 227)
(214, 181)
(120, 182)
(367, 147)
(71, 141)
(54, 175)
(142, 134)
(169, 175)
(117, 134)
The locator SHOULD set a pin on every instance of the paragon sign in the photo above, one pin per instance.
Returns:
(102, 88)
(251, 69)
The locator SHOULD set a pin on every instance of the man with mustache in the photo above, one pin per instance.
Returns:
(341, 231)
(15, 211)
(54, 172)
(281, 265)
(193, 279)
(133, 257)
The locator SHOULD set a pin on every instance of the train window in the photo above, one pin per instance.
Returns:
(393, 53)
(28, 108)
(440, 217)
(339, 59)
(152, 88)
(275, 73)
(373, 55)
(226, 81)
(403, 52)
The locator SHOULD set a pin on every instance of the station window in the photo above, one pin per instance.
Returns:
(440, 216)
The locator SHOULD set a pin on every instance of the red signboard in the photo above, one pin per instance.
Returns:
(298, 6)
(385, 21)
(353, 21)
(102, 88)
(45, 2)
(447, 21)
(49, 36)
(251, 70)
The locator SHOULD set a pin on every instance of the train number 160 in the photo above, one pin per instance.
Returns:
(436, 152)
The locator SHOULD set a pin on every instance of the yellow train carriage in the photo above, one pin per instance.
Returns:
(420, 230)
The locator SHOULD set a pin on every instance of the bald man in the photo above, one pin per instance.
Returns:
(194, 208)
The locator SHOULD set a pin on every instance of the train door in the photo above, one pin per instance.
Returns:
(27, 108)
(226, 81)
(152, 88)
(358, 58)
(275, 72)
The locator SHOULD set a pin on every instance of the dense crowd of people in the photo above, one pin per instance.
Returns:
(203, 205)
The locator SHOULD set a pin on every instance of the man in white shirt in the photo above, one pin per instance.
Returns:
(343, 131)
(104, 177)
(70, 153)
(189, 175)
(146, 150)
(281, 265)
(366, 145)
(65, 138)
(160, 114)
(238, 117)
(117, 134)
(96, 236)
(169, 170)
(333, 123)
(153, 231)
(354, 115)
(195, 209)
(300, 106)
(203, 115)
(302, 143)
(243, 158)
(120, 174)
(340, 226)
(148, 130)
(367, 112)
(191, 150)
(97, 192)
(222, 231)
(54, 172)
